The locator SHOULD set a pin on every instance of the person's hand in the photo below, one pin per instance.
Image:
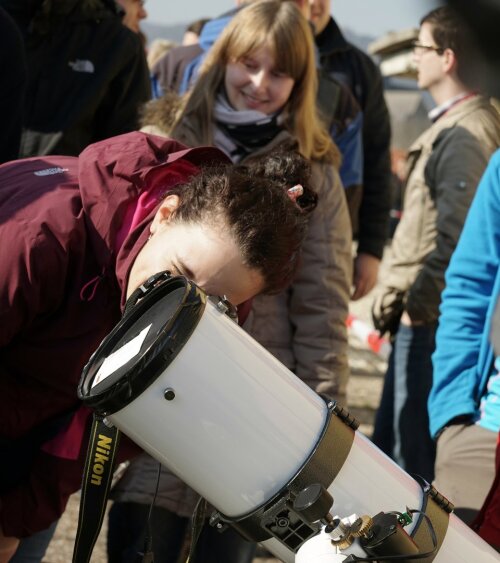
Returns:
(387, 308)
(8, 547)
(366, 269)
(406, 320)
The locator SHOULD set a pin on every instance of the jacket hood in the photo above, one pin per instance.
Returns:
(40, 16)
(331, 39)
(112, 174)
(209, 34)
(212, 29)
(160, 113)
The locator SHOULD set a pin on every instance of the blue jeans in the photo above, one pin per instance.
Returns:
(402, 422)
(32, 549)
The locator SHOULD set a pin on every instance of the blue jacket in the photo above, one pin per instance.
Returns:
(208, 36)
(463, 360)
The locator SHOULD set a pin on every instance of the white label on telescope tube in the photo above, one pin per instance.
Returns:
(120, 357)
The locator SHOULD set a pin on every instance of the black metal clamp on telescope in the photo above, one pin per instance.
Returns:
(287, 516)
(302, 508)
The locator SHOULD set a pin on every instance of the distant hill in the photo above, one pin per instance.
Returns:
(158, 31)
(175, 33)
(361, 41)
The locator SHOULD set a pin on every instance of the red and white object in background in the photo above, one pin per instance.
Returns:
(369, 336)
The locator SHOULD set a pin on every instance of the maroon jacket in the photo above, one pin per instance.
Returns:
(62, 286)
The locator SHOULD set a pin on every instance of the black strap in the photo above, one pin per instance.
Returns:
(327, 98)
(98, 473)
(198, 520)
(143, 289)
(438, 509)
(100, 460)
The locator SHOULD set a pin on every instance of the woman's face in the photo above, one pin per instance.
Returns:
(254, 83)
(205, 254)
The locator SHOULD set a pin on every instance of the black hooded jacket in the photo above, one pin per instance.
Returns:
(355, 69)
(12, 87)
(87, 74)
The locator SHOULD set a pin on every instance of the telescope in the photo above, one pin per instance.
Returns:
(279, 463)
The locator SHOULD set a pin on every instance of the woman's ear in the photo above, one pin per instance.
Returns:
(165, 212)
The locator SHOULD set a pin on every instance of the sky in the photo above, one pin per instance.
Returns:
(367, 17)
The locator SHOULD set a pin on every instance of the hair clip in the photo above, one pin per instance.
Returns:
(295, 192)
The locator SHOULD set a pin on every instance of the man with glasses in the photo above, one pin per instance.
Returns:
(444, 166)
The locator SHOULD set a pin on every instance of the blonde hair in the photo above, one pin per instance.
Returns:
(281, 27)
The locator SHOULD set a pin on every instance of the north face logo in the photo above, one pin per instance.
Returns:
(79, 65)
(50, 171)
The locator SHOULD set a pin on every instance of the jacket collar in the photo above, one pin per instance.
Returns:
(189, 136)
(438, 112)
(212, 29)
(331, 39)
(112, 176)
(449, 119)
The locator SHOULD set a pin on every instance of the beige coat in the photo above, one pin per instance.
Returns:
(444, 167)
(303, 326)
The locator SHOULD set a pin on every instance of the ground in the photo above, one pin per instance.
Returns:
(365, 385)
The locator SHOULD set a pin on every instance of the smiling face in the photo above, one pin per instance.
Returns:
(254, 83)
(205, 254)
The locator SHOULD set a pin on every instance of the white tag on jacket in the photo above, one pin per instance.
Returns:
(50, 171)
(80, 65)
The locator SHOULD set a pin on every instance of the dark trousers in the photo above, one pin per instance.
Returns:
(32, 549)
(127, 531)
(402, 422)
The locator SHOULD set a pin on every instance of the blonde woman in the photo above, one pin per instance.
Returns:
(257, 91)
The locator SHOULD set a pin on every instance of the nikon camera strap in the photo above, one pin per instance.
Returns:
(97, 477)
(100, 461)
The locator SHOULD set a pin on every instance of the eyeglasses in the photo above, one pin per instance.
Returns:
(419, 47)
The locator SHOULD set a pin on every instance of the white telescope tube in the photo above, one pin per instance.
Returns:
(319, 550)
(237, 426)
(241, 424)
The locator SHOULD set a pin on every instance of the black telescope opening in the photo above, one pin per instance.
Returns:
(142, 345)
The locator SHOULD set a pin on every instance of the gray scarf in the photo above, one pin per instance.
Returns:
(239, 133)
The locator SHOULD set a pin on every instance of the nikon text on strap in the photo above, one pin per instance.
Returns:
(100, 461)
(98, 473)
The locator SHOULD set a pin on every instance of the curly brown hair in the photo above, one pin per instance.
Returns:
(252, 201)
